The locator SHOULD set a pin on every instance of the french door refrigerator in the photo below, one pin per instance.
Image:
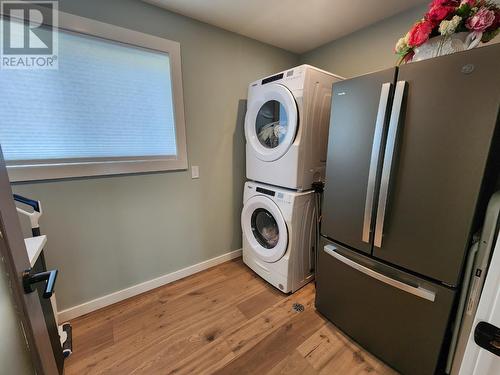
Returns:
(409, 155)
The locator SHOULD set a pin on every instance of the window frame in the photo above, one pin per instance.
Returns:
(26, 170)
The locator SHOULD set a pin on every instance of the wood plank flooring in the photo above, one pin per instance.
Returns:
(225, 320)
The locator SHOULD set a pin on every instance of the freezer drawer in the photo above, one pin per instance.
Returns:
(396, 316)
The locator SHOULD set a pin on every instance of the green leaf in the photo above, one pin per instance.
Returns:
(403, 52)
(488, 35)
(464, 10)
(461, 27)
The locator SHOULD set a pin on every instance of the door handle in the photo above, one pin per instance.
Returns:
(392, 135)
(374, 159)
(487, 336)
(29, 279)
(415, 290)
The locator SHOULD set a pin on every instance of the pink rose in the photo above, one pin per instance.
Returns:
(480, 21)
(420, 33)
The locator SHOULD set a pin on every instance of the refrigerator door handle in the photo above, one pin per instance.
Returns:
(374, 160)
(415, 290)
(390, 147)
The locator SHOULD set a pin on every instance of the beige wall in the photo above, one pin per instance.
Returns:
(106, 234)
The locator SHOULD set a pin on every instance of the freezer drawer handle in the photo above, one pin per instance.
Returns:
(417, 291)
(392, 135)
(374, 160)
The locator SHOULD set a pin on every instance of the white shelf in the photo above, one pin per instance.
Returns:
(34, 246)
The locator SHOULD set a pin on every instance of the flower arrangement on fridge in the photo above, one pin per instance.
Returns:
(449, 26)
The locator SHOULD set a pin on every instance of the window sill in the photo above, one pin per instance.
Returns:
(23, 173)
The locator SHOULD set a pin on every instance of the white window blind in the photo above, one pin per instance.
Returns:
(108, 102)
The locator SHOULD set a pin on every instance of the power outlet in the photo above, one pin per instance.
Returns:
(195, 171)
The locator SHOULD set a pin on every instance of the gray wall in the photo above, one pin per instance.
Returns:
(14, 355)
(366, 50)
(106, 234)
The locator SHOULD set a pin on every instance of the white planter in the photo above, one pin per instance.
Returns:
(445, 45)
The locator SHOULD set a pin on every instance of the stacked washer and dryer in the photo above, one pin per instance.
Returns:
(286, 130)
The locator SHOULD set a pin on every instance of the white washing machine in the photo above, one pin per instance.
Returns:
(279, 234)
(286, 127)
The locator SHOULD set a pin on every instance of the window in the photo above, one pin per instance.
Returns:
(114, 105)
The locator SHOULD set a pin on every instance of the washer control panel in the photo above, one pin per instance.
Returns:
(262, 190)
(283, 198)
(279, 196)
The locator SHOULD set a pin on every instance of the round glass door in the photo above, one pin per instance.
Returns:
(265, 228)
(271, 121)
(271, 124)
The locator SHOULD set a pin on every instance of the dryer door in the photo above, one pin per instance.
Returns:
(271, 121)
(264, 228)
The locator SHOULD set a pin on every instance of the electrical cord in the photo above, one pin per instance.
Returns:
(318, 192)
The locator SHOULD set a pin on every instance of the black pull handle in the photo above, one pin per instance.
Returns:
(29, 202)
(29, 280)
(487, 336)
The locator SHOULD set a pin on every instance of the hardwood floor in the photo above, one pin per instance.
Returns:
(225, 320)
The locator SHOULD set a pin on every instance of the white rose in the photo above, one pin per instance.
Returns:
(407, 37)
(401, 45)
(449, 27)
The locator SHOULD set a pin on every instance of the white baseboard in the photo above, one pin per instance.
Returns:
(120, 295)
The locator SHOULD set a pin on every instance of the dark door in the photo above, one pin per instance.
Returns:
(435, 159)
(356, 137)
(48, 314)
(15, 258)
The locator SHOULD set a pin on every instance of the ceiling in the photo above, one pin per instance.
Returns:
(294, 25)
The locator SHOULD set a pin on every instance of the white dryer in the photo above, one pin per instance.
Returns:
(279, 234)
(286, 127)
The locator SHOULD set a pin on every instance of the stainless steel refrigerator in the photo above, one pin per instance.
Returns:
(411, 159)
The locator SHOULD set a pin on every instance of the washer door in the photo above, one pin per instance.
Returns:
(271, 122)
(264, 228)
